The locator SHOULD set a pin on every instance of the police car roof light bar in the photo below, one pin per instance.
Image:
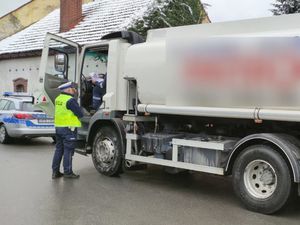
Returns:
(18, 94)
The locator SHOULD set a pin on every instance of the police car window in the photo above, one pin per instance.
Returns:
(10, 106)
(3, 104)
(27, 106)
(7, 105)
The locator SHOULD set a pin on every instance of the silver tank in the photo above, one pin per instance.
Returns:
(175, 67)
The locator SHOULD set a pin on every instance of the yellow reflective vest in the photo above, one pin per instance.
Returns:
(64, 117)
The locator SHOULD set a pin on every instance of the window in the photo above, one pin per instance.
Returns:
(56, 51)
(94, 62)
(27, 106)
(3, 104)
(20, 84)
(20, 88)
(10, 106)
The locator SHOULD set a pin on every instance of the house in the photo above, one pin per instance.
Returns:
(87, 23)
(25, 15)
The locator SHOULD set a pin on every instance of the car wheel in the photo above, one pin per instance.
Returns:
(107, 152)
(4, 137)
(262, 179)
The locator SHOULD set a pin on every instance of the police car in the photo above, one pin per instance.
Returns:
(20, 119)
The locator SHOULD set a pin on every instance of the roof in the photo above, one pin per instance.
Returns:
(99, 18)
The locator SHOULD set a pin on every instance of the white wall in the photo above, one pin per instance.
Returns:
(27, 68)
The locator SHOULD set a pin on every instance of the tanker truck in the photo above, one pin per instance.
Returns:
(217, 98)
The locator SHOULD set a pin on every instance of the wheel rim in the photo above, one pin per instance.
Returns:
(105, 151)
(260, 179)
(2, 133)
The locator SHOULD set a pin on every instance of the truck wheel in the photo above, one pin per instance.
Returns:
(107, 152)
(262, 179)
(4, 137)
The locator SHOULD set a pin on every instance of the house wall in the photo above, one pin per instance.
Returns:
(27, 15)
(26, 68)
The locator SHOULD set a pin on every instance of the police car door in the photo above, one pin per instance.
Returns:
(59, 64)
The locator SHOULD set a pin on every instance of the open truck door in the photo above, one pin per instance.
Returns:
(59, 64)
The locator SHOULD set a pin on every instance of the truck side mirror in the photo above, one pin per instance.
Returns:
(60, 62)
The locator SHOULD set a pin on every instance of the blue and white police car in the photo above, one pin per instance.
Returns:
(20, 119)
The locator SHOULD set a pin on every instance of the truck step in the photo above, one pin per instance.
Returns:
(82, 133)
(81, 151)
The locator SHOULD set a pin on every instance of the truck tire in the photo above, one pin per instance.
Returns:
(107, 151)
(4, 137)
(262, 179)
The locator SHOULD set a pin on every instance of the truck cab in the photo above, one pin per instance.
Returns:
(63, 61)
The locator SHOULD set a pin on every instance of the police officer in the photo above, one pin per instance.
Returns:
(66, 120)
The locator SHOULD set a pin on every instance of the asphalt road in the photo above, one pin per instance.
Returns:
(29, 196)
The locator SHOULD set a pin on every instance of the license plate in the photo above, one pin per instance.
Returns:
(45, 120)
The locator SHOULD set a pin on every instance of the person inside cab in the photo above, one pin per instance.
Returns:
(93, 81)
(99, 89)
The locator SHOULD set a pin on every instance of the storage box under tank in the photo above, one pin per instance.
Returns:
(208, 157)
(158, 142)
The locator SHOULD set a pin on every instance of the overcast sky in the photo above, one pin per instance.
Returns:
(226, 10)
(220, 10)
(7, 6)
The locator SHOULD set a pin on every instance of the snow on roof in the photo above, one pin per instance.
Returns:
(99, 18)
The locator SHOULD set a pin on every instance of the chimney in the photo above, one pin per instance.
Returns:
(70, 14)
